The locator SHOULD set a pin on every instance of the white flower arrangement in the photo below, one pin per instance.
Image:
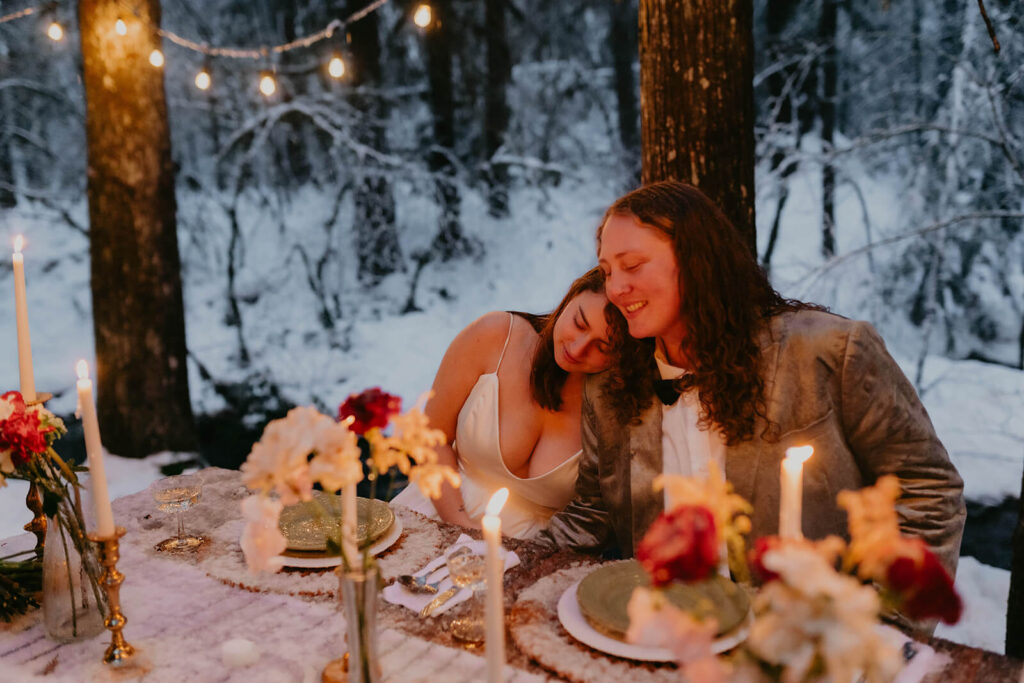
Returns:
(306, 448)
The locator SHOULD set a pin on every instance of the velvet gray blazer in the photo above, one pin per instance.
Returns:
(830, 383)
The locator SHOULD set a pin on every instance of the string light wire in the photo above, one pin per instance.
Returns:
(234, 52)
(261, 52)
(28, 11)
(203, 80)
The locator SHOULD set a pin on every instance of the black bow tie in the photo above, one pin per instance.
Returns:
(667, 391)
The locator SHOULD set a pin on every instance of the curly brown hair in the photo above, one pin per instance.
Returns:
(547, 378)
(726, 301)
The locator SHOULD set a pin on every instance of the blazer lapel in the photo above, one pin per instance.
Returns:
(645, 463)
(743, 460)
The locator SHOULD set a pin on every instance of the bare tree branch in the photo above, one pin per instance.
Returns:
(813, 276)
(988, 25)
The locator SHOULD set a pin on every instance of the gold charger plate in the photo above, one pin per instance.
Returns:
(604, 594)
(305, 527)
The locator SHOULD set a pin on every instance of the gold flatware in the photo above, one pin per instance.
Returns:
(420, 583)
(436, 603)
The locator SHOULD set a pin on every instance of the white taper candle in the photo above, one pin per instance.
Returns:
(94, 451)
(349, 525)
(494, 613)
(791, 491)
(28, 382)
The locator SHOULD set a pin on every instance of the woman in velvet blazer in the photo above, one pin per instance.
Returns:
(766, 372)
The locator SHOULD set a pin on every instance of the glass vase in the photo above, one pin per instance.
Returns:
(359, 595)
(71, 608)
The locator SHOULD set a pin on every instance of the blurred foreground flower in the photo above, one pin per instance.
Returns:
(655, 622)
(681, 545)
(262, 541)
(305, 448)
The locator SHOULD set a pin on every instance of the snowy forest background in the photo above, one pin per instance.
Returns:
(337, 235)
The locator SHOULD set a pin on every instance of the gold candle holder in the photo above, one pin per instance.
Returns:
(34, 502)
(120, 652)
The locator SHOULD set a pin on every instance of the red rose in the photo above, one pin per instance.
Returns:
(21, 433)
(681, 545)
(372, 408)
(756, 557)
(922, 586)
(15, 398)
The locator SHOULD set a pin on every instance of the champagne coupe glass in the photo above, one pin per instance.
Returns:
(467, 568)
(177, 494)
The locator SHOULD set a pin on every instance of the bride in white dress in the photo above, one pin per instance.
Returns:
(508, 396)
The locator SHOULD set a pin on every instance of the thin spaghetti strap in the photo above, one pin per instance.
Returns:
(511, 320)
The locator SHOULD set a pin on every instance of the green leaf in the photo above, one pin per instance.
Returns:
(333, 547)
(68, 473)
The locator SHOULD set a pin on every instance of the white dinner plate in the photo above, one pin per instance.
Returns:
(322, 561)
(579, 628)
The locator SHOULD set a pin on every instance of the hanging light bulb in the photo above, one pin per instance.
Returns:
(336, 67)
(203, 79)
(423, 15)
(156, 58)
(54, 31)
(121, 28)
(267, 85)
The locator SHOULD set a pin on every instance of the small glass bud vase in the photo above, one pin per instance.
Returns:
(71, 607)
(359, 595)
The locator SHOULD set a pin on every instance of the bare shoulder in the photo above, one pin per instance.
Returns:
(482, 339)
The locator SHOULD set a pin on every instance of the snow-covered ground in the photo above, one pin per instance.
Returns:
(528, 261)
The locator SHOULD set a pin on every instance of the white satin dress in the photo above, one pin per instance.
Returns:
(532, 500)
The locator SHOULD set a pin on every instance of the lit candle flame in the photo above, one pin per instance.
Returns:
(19, 242)
(422, 16)
(799, 453)
(82, 368)
(497, 502)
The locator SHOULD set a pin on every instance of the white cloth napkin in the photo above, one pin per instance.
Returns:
(397, 594)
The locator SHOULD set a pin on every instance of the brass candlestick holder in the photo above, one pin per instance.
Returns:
(34, 502)
(120, 652)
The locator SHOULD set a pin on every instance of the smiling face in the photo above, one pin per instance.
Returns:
(581, 335)
(642, 279)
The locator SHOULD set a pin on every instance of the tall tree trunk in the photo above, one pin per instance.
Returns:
(138, 315)
(1015, 604)
(697, 100)
(377, 247)
(496, 117)
(622, 42)
(449, 242)
(8, 199)
(827, 38)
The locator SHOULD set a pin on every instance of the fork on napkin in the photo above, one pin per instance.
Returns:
(397, 594)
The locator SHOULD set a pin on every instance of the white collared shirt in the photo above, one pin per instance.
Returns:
(685, 449)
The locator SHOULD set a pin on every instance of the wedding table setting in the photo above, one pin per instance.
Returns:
(203, 616)
(281, 572)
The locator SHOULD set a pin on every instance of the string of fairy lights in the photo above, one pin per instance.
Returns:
(423, 17)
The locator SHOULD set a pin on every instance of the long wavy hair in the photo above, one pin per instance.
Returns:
(547, 378)
(725, 301)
